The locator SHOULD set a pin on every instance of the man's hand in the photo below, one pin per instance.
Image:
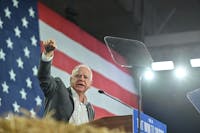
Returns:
(49, 47)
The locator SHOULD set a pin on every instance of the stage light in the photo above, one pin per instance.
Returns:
(195, 62)
(180, 72)
(164, 65)
(148, 75)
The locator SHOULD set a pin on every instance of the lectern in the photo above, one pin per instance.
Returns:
(115, 122)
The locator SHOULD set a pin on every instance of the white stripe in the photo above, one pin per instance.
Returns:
(96, 98)
(56, 72)
(83, 55)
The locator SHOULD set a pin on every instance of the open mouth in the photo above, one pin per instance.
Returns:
(80, 84)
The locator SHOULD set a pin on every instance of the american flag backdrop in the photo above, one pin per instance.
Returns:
(22, 25)
(19, 57)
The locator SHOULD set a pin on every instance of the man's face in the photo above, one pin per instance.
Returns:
(81, 80)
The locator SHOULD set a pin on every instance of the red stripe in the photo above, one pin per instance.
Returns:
(77, 34)
(100, 112)
(66, 63)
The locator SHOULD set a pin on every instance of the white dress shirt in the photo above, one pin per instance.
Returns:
(80, 114)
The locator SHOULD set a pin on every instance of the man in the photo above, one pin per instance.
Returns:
(67, 104)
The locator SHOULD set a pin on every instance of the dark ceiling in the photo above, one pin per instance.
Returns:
(171, 31)
(119, 17)
(150, 21)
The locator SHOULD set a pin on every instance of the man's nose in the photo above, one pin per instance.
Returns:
(81, 77)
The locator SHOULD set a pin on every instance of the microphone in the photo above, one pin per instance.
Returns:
(102, 92)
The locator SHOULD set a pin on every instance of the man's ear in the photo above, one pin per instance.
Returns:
(70, 79)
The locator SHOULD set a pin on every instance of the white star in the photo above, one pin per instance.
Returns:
(28, 83)
(9, 43)
(12, 75)
(20, 63)
(1, 24)
(15, 3)
(31, 12)
(35, 70)
(2, 55)
(26, 52)
(38, 101)
(23, 94)
(33, 41)
(5, 87)
(33, 114)
(16, 106)
(0, 102)
(7, 12)
(24, 22)
(17, 32)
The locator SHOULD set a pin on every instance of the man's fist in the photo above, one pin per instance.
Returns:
(49, 47)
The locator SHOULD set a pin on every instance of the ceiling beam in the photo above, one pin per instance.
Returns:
(182, 38)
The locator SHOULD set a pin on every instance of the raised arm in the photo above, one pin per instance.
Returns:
(47, 82)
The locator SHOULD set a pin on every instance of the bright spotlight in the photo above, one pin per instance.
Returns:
(195, 62)
(148, 75)
(180, 72)
(164, 65)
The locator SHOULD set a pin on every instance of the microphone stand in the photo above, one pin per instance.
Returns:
(140, 76)
(114, 98)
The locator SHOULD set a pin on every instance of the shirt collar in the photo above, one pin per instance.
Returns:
(76, 96)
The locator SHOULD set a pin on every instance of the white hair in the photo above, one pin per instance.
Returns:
(76, 68)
